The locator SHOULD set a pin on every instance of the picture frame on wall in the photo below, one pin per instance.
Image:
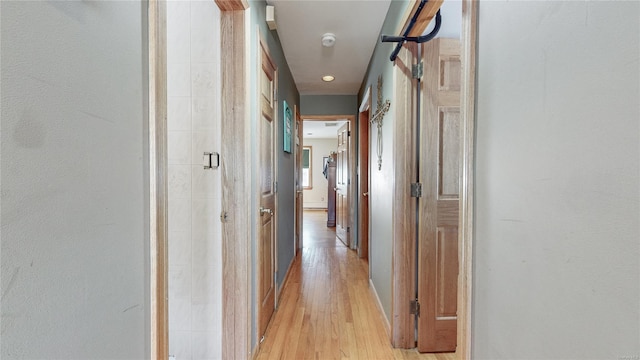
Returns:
(287, 126)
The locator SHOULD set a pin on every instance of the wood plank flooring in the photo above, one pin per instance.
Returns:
(327, 310)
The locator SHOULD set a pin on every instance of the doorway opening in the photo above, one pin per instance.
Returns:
(329, 165)
(236, 322)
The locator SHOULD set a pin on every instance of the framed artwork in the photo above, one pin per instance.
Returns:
(287, 126)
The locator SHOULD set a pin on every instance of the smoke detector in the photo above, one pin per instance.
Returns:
(328, 40)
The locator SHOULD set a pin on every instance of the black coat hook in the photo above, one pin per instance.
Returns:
(417, 39)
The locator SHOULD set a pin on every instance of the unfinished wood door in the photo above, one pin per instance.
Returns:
(298, 182)
(440, 159)
(404, 207)
(342, 185)
(267, 171)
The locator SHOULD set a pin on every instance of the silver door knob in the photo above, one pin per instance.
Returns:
(335, 189)
(365, 194)
(265, 211)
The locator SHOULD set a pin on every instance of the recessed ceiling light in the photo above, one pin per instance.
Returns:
(328, 78)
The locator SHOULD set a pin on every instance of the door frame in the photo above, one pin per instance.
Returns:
(236, 231)
(158, 185)
(468, 39)
(299, 191)
(353, 209)
(363, 130)
(236, 149)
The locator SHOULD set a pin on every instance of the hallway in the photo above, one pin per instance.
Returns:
(327, 310)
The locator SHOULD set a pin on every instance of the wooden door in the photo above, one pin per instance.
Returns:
(440, 159)
(331, 191)
(267, 171)
(363, 166)
(342, 185)
(298, 182)
(404, 212)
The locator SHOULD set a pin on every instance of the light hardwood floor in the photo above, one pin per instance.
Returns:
(327, 310)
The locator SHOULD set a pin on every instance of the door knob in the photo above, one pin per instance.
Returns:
(335, 189)
(365, 194)
(265, 211)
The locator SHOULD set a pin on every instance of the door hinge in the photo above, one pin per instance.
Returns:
(414, 307)
(275, 186)
(417, 70)
(348, 228)
(416, 190)
(349, 133)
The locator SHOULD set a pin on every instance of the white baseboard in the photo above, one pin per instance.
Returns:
(315, 205)
(387, 325)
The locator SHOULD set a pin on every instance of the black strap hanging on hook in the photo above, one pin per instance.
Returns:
(417, 39)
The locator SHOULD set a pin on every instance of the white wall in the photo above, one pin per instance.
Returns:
(195, 238)
(556, 273)
(74, 216)
(317, 196)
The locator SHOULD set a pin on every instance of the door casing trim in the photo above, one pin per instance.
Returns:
(365, 107)
(236, 183)
(469, 40)
(158, 189)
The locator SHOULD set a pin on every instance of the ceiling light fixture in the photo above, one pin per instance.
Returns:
(328, 40)
(328, 78)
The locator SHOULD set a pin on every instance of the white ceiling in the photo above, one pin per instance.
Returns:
(321, 129)
(356, 24)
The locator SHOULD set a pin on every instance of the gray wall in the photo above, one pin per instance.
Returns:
(381, 196)
(288, 92)
(556, 273)
(328, 105)
(74, 180)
